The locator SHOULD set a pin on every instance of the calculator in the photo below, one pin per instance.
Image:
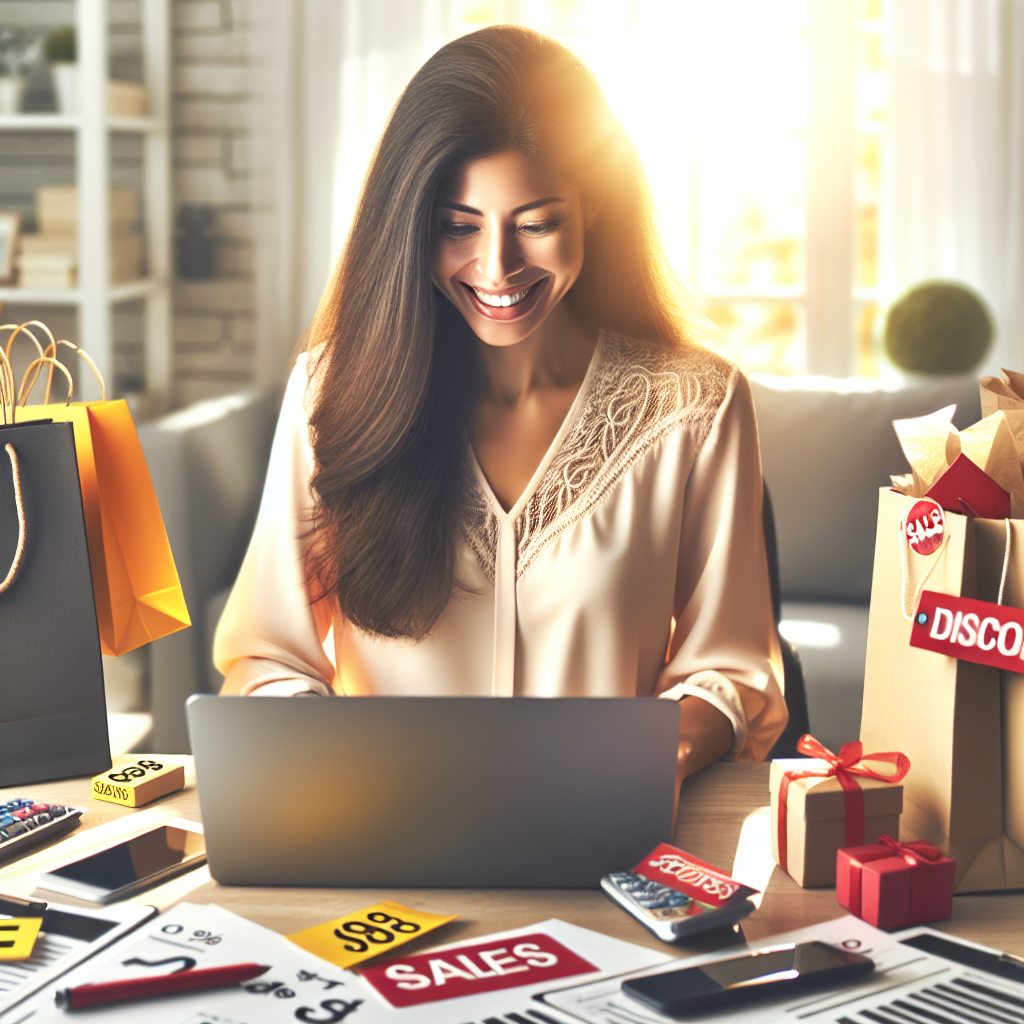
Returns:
(25, 823)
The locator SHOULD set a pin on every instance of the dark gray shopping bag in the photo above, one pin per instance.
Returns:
(53, 720)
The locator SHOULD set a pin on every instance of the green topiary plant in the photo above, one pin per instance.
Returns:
(60, 45)
(939, 327)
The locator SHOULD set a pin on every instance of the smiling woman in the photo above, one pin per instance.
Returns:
(506, 464)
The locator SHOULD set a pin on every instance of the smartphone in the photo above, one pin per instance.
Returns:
(141, 861)
(780, 971)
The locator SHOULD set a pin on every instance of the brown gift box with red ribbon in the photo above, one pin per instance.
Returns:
(895, 885)
(825, 802)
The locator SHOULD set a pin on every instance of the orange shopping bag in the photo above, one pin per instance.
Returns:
(138, 594)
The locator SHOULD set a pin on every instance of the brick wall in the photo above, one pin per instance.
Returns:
(213, 320)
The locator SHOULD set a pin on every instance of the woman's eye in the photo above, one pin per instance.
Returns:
(455, 229)
(539, 227)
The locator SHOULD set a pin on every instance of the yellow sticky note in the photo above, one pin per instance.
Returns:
(18, 936)
(136, 782)
(365, 933)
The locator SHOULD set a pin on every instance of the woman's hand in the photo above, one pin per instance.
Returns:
(705, 734)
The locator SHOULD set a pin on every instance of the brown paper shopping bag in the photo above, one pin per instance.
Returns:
(945, 713)
(138, 593)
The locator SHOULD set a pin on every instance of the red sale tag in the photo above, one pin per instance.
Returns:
(683, 872)
(469, 970)
(926, 523)
(979, 631)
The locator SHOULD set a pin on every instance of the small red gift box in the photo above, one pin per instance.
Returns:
(895, 885)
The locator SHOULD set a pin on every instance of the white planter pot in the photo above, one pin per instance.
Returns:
(12, 87)
(65, 85)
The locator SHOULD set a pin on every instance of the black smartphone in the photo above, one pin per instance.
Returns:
(138, 862)
(779, 971)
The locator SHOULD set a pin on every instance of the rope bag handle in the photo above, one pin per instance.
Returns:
(84, 355)
(905, 561)
(23, 393)
(20, 506)
(17, 329)
(7, 397)
(49, 352)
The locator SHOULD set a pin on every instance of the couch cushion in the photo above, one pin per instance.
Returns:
(827, 445)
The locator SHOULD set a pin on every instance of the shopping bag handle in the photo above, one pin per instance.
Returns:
(23, 393)
(85, 355)
(49, 351)
(7, 397)
(17, 329)
(20, 506)
(24, 329)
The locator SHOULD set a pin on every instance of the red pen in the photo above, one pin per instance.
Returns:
(103, 992)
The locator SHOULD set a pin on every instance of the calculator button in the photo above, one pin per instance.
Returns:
(57, 811)
(6, 820)
(43, 818)
(16, 829)
(21, 814)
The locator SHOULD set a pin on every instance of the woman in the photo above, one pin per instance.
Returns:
(506, 465)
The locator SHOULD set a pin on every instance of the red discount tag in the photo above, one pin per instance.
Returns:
(979, 631)
(469, 970)
(926, 523)
(683, 872)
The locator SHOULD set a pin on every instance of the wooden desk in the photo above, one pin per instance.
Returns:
(713, 807)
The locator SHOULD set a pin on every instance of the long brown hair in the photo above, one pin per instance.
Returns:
(393, 364)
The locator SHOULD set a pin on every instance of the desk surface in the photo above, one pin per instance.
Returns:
(712, 809)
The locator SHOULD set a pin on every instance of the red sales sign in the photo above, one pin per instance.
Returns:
(979, 631)
(469, 970)
(683, 872)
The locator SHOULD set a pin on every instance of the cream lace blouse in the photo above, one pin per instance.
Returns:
(633, 564)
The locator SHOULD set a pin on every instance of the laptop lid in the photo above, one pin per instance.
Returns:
(432, 791)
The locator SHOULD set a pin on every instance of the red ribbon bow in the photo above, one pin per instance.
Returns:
(911, 852)
(843, 767)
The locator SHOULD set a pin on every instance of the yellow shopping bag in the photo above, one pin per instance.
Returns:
(138, 593)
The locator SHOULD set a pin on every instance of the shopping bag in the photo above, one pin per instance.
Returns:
(53, 721)
(137, 590)
(948, 714)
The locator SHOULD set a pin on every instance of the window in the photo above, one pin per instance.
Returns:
(760, 125)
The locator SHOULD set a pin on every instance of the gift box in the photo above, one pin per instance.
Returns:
(826, 802)
(895, 885)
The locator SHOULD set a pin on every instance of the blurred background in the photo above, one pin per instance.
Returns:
(177, 178)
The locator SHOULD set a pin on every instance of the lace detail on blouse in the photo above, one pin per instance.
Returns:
(637, 394)
(480, 528)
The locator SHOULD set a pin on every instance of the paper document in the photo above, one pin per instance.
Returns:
(908, 986)
(301, 987)
(69, 936)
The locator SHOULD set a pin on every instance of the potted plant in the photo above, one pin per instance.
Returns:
(17, 52)
(62, 54)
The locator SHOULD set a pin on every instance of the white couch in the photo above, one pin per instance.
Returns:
(208, 464)
(827, 445)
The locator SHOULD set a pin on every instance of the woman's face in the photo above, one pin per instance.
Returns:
(508, 244)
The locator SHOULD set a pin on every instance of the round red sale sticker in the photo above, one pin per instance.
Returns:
(926, 524)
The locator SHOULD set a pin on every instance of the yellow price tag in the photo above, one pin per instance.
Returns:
(365, 933)
(18, 937)
(136, 782)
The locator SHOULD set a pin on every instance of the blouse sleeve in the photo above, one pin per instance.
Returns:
(725, 647)
(270, 638)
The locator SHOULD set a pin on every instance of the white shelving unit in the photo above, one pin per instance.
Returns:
(95, 296)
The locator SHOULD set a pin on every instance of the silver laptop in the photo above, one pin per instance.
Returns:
(450, 792)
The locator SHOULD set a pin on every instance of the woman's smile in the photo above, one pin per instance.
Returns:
(507, 305)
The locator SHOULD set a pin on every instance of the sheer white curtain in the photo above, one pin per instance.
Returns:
(954, 202)
(324, 76)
